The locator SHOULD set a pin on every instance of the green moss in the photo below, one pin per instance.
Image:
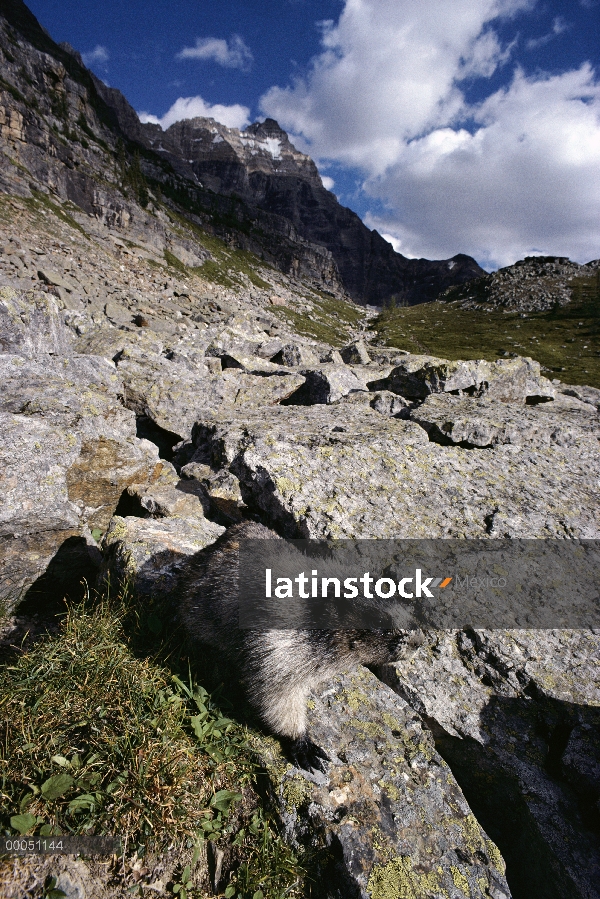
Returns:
(564, 340)
(296, 792)
(214, 272)
(354, 698)
(12, 90)
(40, 199)
(175, 263)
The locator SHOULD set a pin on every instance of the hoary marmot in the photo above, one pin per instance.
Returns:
(277, 667)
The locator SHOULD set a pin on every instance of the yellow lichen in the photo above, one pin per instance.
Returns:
(399, 880)
(460, 881)
(494, 856)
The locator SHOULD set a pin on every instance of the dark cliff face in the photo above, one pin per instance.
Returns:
(253, 186)
(262, 167)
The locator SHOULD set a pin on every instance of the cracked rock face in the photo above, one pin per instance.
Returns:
(365, 475)
(388, 808)
(68, 452)
(508, 380)
(517, 716)
(485, 423)
(152, 553)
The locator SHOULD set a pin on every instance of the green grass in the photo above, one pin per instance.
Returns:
(227, 263)
(565, 340)
(175, 263)
(100, 735)
(331, 321)
(40, 199)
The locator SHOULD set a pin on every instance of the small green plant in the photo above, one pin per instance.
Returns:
(51, 891)
(183, 885)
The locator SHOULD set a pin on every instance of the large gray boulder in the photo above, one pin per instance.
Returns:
(149, 554)
(388, 809)
(326, 384)
(415, 377)
(517, 716)
(486, 422)
(174, 395)
(345, 471)
(69, 450)
(30, 323)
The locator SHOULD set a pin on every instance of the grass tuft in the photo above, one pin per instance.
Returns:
(103, 731)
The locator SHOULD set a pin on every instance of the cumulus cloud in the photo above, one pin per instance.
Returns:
(234, 54)
(98, 56)
(328, 183)
(234, 116)
(524, 182)
(506, 177)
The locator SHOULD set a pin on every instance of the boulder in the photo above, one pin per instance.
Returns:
(510, 380)
(150, 554)
(331, 355)
(480, 422)
(589, 395)
(355, 354)
(383, 401)
(388, 811)
(327, 384)
(220, 490)
(516, 714)
(30, 323)
(68, 452)
(328, 472)
(294, 355)
(224, 437)
(173, 396)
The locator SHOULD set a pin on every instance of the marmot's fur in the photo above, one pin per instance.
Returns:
(277, 667)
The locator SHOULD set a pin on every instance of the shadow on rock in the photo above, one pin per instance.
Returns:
(535, 788)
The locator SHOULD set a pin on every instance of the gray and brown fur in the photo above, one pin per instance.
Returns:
(277, 668)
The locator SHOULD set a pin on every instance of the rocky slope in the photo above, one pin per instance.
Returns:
(63, 131)
(144, 410)
(534, 284)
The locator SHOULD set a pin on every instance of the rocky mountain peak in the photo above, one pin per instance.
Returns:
(268, 128)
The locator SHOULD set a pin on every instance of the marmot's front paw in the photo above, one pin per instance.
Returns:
(305, 754)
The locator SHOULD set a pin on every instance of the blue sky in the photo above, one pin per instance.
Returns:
(449, 125)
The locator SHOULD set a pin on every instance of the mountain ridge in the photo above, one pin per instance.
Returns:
(282, 212)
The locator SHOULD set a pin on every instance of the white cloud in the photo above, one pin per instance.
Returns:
(497, 180)
(388, 72)
(99, 55)
(235, 116)
(525, 181)
(328, 183)
(233, 55)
